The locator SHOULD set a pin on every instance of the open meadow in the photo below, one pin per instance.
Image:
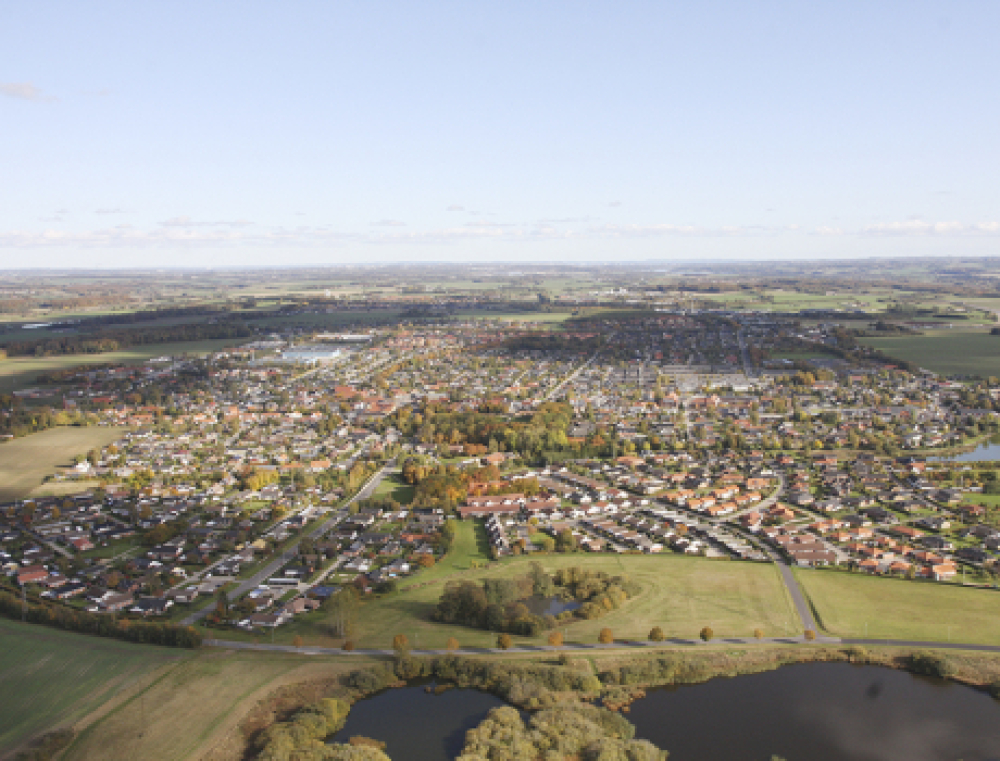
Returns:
(952, 352)
(26, 461)
(858, 605)
(50, 678)
(679, 594)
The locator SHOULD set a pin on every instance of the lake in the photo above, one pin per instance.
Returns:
(548, 606)
(987, 451)
(821, 712)
(809, 712)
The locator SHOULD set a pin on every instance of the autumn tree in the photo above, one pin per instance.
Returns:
(656, 634)
(606, 637)
(707, 634)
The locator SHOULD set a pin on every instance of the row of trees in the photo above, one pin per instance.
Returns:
(103, 625)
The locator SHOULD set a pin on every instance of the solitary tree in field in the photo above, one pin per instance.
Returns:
(707, 634)
(297, 641)
(452, 644)
(606, 637)
(556, 639)
(656, 634)
(348, 645)
(758, 633)
(505, 642)
(401, 644)
(810, 635)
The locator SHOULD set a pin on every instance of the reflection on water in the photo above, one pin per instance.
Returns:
(417, 725)
(822, 712)
(549, 606)
(989, 450)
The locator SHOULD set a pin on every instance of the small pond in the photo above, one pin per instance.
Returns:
(549, 606)
(417, 725)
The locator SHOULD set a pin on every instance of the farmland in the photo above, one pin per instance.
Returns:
(21, 372)
(26, 461)
(51, 678)
(945, 351)
(853, 605)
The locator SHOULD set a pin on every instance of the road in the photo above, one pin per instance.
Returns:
(271, 568)
(572, 375)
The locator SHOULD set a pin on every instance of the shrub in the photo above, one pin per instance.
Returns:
(758, 633)
(401, 644)
(810, 635)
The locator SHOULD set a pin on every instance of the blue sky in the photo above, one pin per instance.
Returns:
(224, 133)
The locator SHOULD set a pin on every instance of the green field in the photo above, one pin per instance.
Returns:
(26, 461)
(951, 352)
(21, 372)
(679, 594)
(393, 486)
(900, 609)
(52, 678)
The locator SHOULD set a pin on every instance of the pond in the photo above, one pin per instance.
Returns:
(548, 606)
(417, 725)
(989, 450)
(810, 712)
(821, 712)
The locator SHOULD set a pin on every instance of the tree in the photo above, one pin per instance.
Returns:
(758, 633)
(556, 639)
(426, 561)
(810, 635)
(707, 634)
(297, 641)
(341, 608)
(452, 644)
(505, 642)
(656, 634)
(401, 644)
(348, 645)
(606, 637)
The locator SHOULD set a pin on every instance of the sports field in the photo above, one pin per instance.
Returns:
(856, 605)
(951, 352)
(25, 462)
(50, 678)
(679, 594)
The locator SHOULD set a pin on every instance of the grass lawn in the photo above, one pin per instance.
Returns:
(393, 486)
(26, 461)
(21, 372)
(679, 594)
(900, 609)
(52, 678)
(952, 352)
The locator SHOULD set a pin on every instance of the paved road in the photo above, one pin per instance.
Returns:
(801, 606)
(271, 568)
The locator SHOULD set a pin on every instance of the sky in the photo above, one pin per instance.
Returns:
(202, 134)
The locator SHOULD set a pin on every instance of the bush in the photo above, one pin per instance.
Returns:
(452, 644)
(656, 634)
(758, 633)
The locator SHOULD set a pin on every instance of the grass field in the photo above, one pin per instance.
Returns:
(52, 678)
(899, 609)
(21, 372)
(195, 707)
(25, 462)
(951, 352)
(393, 486)
(679, 594)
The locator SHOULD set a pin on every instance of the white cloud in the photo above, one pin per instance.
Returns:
(919, 227)
(455, 207)
(24, 91)
(186, 221)
(615, 204)
(109, 211)
(388, 223)
(829, 231)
